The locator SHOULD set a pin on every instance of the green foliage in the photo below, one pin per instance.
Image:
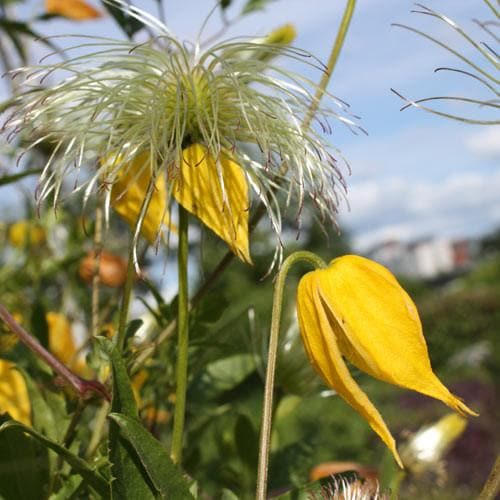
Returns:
(94, 479)
(163, 474)
(23, 464)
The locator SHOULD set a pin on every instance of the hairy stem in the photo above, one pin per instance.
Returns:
(182, 338)
(332, 62)
(96, 271)
(265, 432)
(492, 486)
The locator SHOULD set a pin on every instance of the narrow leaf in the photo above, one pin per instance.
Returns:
(94, 479)
(23, 466)
(9, 179)
(130, 480)
(165, 476)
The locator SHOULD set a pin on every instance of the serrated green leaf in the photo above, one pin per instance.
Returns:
(93, 478)
(23, 466)
(9, 179)
(165, 476)
(130, 481)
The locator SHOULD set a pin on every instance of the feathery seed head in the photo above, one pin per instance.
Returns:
(157, 98)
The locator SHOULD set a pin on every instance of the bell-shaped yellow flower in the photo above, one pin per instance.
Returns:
(14, 397)
(217, 194)
(356, 308)
(128, 193)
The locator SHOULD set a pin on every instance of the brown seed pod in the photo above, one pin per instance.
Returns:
(112, 269)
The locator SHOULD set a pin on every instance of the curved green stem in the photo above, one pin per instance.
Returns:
(332, 61)
(265, 432)
(492, 485)
(182, 338)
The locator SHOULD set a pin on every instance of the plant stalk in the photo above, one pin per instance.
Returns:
(182, 338)
(492, 486)
(265, 432)
(83, 387)
(332, 62)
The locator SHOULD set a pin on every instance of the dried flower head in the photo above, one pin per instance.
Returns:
(122, 101)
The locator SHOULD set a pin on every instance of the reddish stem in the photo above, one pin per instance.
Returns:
(85, 388)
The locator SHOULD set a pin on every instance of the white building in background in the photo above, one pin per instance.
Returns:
(425, 258)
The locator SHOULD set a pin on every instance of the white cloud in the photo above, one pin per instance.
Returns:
(464, 204)
(485, 143)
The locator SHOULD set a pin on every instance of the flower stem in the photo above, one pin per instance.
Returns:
(96, 271)
(182, 338)
(265, 433)
(492, 485)
(84, 388)
(332, 61)
(131, 265)
(127, 295)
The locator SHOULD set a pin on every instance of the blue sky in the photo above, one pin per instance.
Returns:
(415, 174)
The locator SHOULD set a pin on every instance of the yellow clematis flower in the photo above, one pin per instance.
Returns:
(356, 308)
(129, 190)
(14, 397)
(216, 192)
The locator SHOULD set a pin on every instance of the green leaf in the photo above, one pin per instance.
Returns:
(130, 25)
(13, 27)
(229, 372)
(130, 480)
(39, 325)
(165, 476)
(224, 4)
(94, 479)
(42, 414)
(246, 440)
(210, 309)
(253, 5)
(23, 466)
(68, 489)
(9, 179)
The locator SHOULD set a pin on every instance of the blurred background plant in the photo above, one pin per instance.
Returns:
(47, 267)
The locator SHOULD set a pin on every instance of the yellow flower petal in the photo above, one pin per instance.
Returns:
(13, 393)
(198, 190)
(381, 329)
(356, 308)
(319, 336)
(129, 191)
(62, 344)
(77, 10)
